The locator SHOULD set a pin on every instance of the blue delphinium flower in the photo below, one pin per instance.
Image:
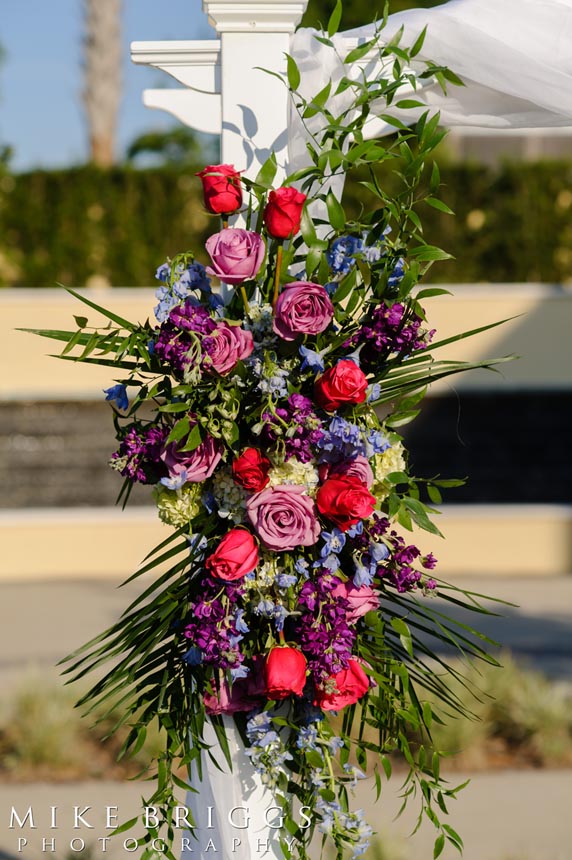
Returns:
(117, 394)
(307, 737)
(334, 541)
(285, 580)
(176, 482)
(239, 622)
(376, 443)
(311, 360)
(398, 272)
(341, 255)
(194, 656)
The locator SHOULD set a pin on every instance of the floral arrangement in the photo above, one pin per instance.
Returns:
(263, 408)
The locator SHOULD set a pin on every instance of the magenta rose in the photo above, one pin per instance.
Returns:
(227, 345)
(245, 694)
(302, 308)
(356, 468)
(284, 517)
(236, 255)
(193, 466)
(360, 600)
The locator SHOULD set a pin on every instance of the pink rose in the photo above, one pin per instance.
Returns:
(227, 345)
(302, 308)
(284, 517)
(357, 468)
(236, 255)
(194, 466)
(361, 600)
(235, 556)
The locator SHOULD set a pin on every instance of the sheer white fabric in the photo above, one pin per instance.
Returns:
(515, 57)
(222, 801)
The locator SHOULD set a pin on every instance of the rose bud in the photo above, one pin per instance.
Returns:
(341, 384)
(235, 556)
(345, 501)
(302, 308)
(285, 672)
(283, 212)
(227, 345)
(352, 683)
(236, 255)
(250, 470)
(221, 188)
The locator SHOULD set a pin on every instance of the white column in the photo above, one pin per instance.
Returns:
(254, 35)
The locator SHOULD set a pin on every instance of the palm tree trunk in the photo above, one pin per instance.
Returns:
(102, 76)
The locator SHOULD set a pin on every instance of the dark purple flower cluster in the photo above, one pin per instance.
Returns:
(323, 632)
(139, 452)
(173, 344)
(298, 418)
(390, 331)
(398, 569)
(212, 629)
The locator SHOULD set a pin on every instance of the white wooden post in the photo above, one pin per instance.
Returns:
(227, 91)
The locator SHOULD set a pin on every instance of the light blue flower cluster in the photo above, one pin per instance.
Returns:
(268, 609)
(266, 752)
(188, 279)
(341, 255)
(273, 379)
(351, 827)
(345, 441)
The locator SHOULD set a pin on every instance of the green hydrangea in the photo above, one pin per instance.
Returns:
(178, 507)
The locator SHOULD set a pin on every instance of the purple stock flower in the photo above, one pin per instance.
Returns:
(139, 454)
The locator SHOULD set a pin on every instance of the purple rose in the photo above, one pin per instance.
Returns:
(284, 517)
(193, 466)
(227, 345)
(236, 254)
(356, 468)
(302, 308)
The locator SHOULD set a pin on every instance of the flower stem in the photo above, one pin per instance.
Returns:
(279, 254)
(244, 299)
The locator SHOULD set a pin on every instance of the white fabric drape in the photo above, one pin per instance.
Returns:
(515, 57)
(223, 800)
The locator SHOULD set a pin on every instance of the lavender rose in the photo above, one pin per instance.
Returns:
(284, 517)
(302, 308)
(193, 466)
(227, 345)
(236, 255)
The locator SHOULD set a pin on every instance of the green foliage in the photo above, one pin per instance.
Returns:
(175, 146)
(119, 224)
(512, 223)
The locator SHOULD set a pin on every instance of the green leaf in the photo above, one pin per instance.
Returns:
(180, 430)
(408, 104)
(335, 18)
(293, 73)
(418, 44)
(267, 172)
(336, 213)
(438, 847)
(359, 52)
(80, 321)
(307, 228)
(109, 314)
(438, 204)
(429, 253)
(194, 439)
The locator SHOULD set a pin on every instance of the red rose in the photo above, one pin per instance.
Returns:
(283, 212)
(345, 501)
(343, 383)
(235, 556)
(352, 683)
(285, 672)
(221, 188)
(250, 470)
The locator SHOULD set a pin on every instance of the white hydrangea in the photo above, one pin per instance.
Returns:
(392, 460)
(178, 507)
(230, 498)
(266, 572)
(292, 471)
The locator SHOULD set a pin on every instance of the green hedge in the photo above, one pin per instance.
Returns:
(511, 224)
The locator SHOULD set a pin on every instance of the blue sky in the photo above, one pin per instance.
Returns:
(41, 113)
